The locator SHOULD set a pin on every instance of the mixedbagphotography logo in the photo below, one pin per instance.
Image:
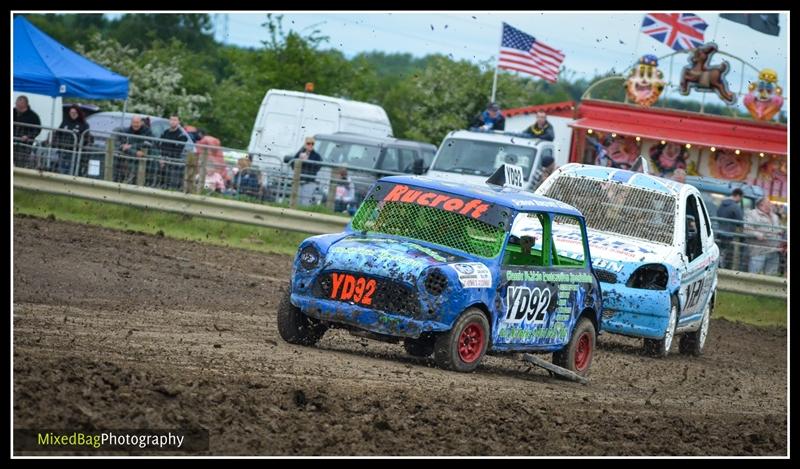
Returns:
(192, 440)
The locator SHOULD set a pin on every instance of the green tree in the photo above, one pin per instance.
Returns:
(140, 30)
(155, 84)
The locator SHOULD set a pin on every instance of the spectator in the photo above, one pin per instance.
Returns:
(730, 208)
(679, 175)
(67, 140)
(209, 149)
(541, 128)
(766, 245)
(543, 172)
(170, 173)
(247, 180)
(490, 119)
(132, 148)
(24, 136)
(308, 181)
(345, 191)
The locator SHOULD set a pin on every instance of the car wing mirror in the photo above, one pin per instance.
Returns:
(418, 167)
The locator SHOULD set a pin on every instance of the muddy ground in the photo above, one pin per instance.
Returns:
(124, 330)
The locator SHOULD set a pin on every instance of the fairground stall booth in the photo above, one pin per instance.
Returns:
(701, 144)
(726, 150)
(751, 149)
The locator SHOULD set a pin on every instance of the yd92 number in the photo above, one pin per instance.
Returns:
(346, 287)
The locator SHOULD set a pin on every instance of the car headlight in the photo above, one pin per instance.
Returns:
(649, 277)
(309, 257)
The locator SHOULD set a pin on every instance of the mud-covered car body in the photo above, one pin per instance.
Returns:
(419, 252)
(644, 252)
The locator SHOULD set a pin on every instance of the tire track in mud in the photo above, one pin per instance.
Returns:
(125, 330)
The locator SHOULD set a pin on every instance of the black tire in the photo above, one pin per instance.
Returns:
(659, 348)
(472, 328)
(294, 326)
(422, 347)
(577, 355)
(693, 343)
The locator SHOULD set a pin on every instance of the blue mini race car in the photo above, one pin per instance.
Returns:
(453, 271)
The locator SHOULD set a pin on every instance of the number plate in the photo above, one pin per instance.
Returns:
(349, 287)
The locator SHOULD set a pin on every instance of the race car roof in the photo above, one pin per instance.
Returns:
(504, 196)
(632, 178)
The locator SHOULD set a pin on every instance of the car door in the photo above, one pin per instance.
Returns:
(711, 251)
(697, 258)
(531, 315)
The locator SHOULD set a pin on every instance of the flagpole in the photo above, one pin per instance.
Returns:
(494, 83)
(496, 64)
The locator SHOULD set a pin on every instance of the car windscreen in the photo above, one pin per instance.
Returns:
(619, 208)
(464, 223)
(479, 158)
(350, 154)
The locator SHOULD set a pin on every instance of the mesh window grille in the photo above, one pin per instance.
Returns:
(430, 224)
(618, 208)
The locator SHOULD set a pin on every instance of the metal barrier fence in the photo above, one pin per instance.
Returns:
(55, 153)
(198, 168)
(751, 247)
(273, 217)
(235, 174)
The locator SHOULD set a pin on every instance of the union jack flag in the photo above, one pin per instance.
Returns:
(681, 31)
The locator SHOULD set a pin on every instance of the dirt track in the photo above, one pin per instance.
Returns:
(123, 330)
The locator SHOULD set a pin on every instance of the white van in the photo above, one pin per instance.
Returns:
(286, 118)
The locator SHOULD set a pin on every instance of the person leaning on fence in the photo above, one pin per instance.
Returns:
(765, 243)
(24, 136)
(308, 172)
(730, 209)
(248, 181)
(490, 119)
(68, 139)
(132, 149)
(170, 168)
(541, 128)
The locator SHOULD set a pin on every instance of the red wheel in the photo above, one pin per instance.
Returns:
(462, 347)
(583, 353)
(470, 343)
(576, 355)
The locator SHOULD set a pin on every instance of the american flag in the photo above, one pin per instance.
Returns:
(681, 31)
(521, 52)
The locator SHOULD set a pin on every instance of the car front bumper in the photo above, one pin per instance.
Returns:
(379, 322)
(635, 312)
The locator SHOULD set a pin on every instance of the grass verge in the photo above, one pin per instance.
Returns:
(756, 310)
(153, 221)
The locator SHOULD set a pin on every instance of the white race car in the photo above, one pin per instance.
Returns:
(652, 248)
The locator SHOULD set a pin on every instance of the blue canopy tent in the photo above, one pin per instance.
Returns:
(43, 66)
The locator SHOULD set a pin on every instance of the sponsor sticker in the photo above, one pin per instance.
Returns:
(473, 275)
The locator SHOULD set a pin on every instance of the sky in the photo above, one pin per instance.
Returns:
(592, 42)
